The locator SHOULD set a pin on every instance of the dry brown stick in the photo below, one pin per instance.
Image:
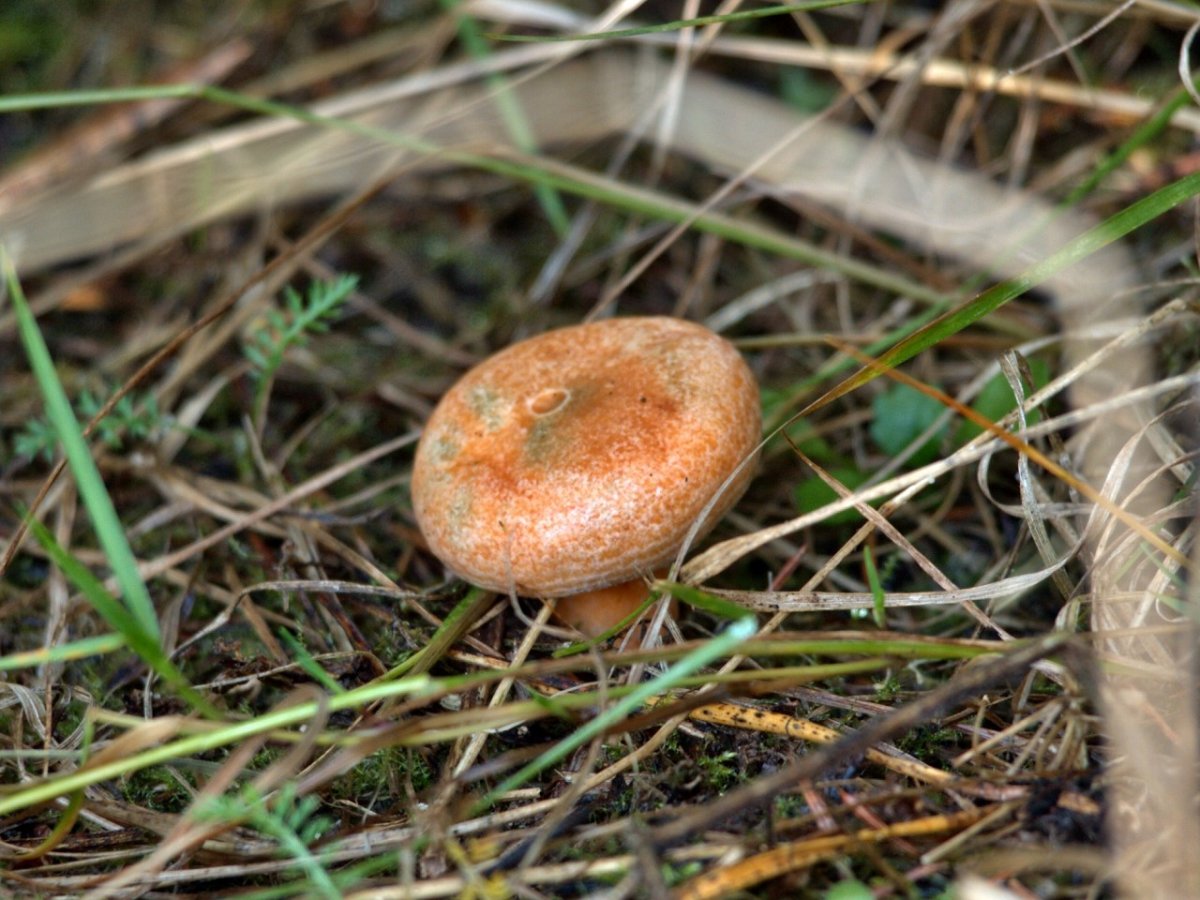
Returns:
(777, 861)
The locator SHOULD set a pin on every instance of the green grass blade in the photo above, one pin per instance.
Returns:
(603, 637)
(879, 607)
(136, 620)
(1142, 136)
(306, 662)
(75, 650)
(145, 645)
(465, 613)
(59, 99)
(737, 633)
(205, 737)
(510, 110)
(542, 173)
(95, 496)
(699, 599)
(1113, 229)
(679, 24)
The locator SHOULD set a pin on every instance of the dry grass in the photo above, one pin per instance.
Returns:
(974, 661)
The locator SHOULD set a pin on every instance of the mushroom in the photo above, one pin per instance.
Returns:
(573, 464)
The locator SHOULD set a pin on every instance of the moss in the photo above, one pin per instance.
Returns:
(157, 788)
(384, 775)
(888, 690)
(928, 742)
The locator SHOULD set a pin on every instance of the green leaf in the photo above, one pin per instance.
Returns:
(813, 493)
(800, 89)
(37, 438)
(996, 400)
(849, 890)
(902, 413)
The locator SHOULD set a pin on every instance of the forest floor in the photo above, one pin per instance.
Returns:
(943, 645)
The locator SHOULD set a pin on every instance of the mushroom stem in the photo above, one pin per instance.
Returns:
(594, 612)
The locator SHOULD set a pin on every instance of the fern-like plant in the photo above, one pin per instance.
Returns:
(290, 820)
(291, 327)
(134, 418)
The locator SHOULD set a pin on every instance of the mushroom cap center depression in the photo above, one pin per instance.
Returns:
(581, 457)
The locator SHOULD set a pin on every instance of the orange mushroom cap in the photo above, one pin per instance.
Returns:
(582, 457)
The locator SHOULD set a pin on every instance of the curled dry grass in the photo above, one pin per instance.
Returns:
(969, 656)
